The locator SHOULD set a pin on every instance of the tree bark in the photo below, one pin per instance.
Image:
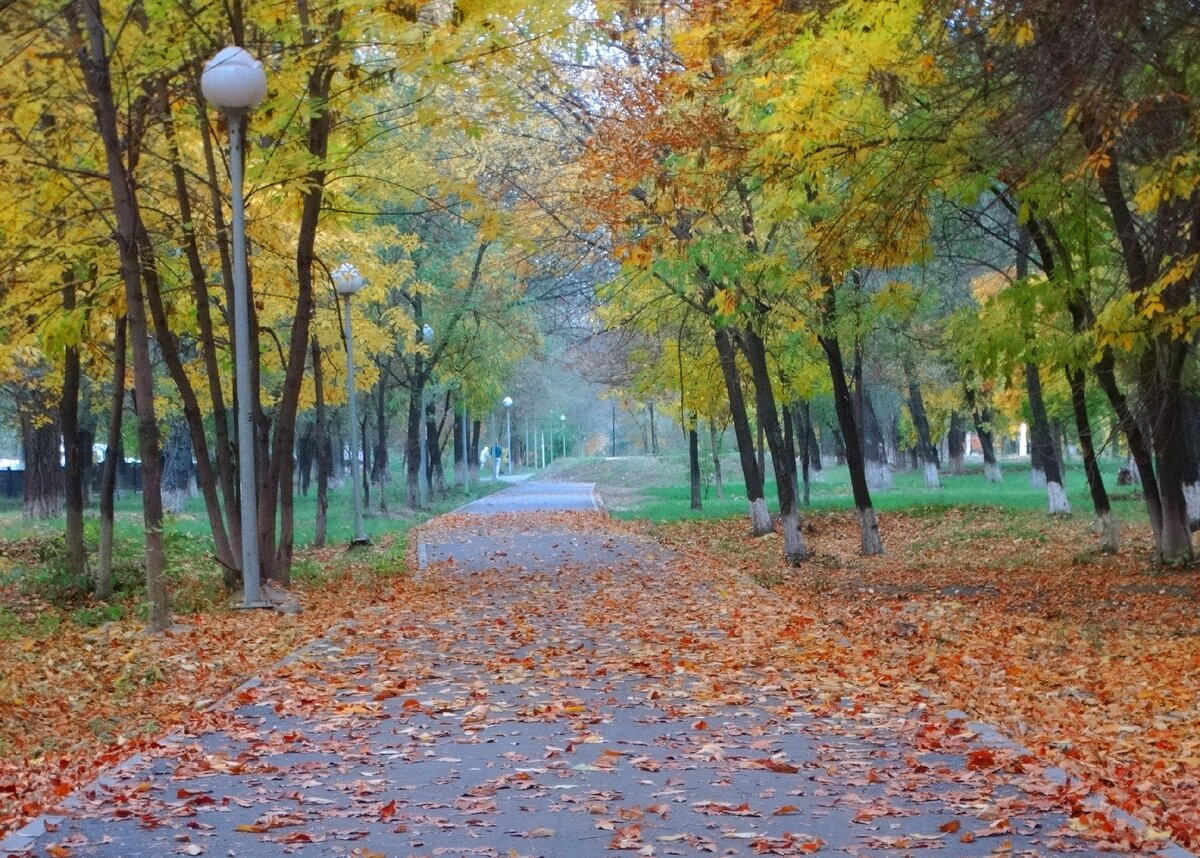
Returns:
(1044, 450)
(694, 464)
(380, 473)
(843, 401)
(412, 441)
(280, 493)
(43, 481)
(802, 417)
(73, 472)
(760, 518)
(956, 444)
(714, 445)
(782, 460)
(981, 415)
(112, 458)
(927, 452)
(178, 471)
(93, 61)
(321, 449)
(1110, 534)
(433, 449)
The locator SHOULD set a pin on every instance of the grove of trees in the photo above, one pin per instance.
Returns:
(922, 213)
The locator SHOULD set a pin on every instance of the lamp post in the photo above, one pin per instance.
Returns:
(347, 281)
(508, 426)
(422, 427)
(562, 419)
(234, 82)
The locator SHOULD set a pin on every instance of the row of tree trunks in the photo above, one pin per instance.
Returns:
(782, 459)
(84, 17)
(981, 417)
(926, 450)
(844, 405)
(760, 517)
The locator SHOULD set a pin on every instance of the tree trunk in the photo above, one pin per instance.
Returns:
(1110, 534)
(364, 445)
(868, 525)
(760, 518)
(112, 458)
(178, 471)
(981, 415)
(433, 449)
(1160, 369)
(782, 459)
(43, 480)
(461, 461)
(694, 464)
(380, 473)
(761, 447)
(653, 433)
(321, 449)
(714, 445)
(412, 443)
(305, 456)
(223, 516)
(1191, 449)
(94, 64)
(1044, 451)
(928, 453)
(801, 417)
(1162, 390)
(956, 444)
(280, 492)
(73, 472)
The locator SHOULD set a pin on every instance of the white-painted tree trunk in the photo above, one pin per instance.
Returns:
(868, 526)
(794, 550)
(1059, 505)
(1037, 478)
(992, 473)
(879, 475)
(1135, 475)
(931, 476)
(1109, 529)
(1191, 494)
(760, 518)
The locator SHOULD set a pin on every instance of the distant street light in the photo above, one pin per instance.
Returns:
(234, 82)
(347, 281)
(562, 419)
(508, 424)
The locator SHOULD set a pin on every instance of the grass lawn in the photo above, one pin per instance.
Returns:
(665, 496)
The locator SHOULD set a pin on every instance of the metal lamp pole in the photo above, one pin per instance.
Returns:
(562, 419)
(508, 426)
(234, 82)
(347, 281)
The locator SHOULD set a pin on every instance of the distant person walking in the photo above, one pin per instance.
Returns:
(497, 455)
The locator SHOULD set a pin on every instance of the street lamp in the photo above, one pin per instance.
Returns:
(562, 419)
(234, 82)
(347, 281)
(508, 426)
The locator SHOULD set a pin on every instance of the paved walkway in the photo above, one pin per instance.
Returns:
(554, 687)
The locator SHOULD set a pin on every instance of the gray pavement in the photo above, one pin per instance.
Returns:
(548, 690)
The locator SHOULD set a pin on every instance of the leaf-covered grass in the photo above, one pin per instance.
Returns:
(81, 685)
(1091, 661)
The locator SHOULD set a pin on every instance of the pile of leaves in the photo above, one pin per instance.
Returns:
(75, 699)
(1092, 662)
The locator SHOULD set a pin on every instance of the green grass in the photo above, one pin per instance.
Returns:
(669, 499)
(194, 578)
